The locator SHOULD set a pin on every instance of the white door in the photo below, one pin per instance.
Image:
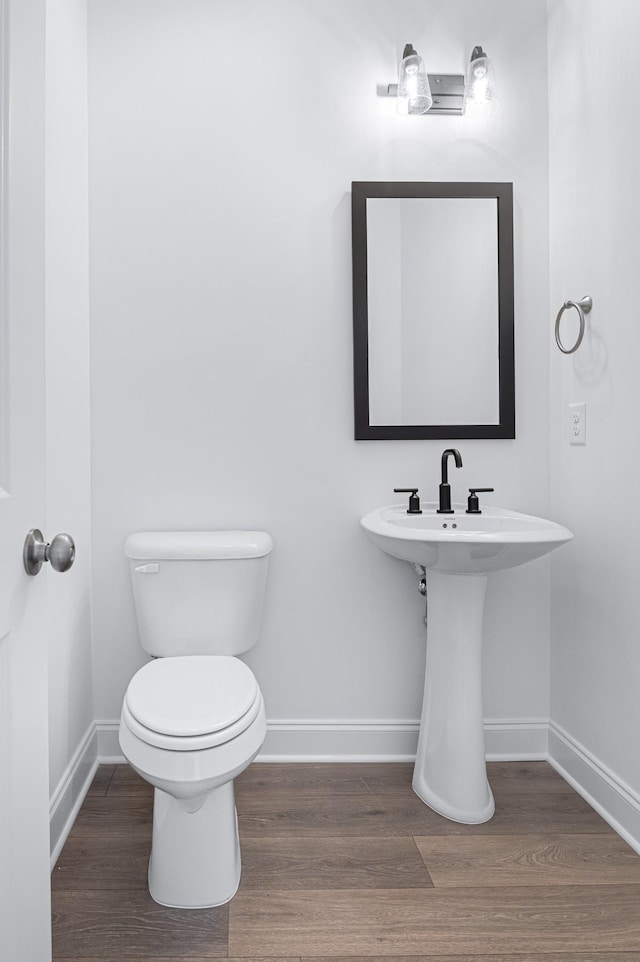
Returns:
(24, 839)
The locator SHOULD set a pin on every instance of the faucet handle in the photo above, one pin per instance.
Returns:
(414, 500)
(473, 504)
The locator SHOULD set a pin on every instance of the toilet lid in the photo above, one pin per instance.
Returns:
(191, 695)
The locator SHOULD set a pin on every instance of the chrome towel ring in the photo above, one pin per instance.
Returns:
(583, 306)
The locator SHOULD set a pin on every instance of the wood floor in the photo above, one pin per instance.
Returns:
(345, 862)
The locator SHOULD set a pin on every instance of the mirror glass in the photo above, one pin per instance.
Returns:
(433, 310)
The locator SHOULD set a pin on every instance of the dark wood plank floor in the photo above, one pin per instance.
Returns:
(344, 862)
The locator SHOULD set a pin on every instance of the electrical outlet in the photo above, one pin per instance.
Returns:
(578, 423)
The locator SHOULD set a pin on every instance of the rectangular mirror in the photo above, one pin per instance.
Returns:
(433, 310)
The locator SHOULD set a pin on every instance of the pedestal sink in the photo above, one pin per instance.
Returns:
(458, 552)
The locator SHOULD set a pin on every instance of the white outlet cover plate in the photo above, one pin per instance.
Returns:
(578, 423)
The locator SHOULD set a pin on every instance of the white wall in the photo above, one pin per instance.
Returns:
(595, 212)
(67, 386)
(221, 324)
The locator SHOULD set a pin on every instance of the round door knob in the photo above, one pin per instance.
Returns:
(61, 552)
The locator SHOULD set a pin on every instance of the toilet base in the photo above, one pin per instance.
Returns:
(195, 851)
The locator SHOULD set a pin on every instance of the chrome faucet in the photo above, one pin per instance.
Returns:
(445, 487)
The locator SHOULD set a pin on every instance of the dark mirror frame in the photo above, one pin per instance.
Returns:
(361, 191)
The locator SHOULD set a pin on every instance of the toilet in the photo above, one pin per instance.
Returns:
(193, 718)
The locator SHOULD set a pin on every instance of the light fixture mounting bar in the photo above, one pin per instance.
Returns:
(447, 90)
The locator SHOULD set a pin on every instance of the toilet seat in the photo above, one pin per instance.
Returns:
(190, 703)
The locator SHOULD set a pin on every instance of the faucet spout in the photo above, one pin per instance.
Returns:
(445, 488)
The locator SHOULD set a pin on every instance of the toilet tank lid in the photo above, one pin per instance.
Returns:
(197, 545)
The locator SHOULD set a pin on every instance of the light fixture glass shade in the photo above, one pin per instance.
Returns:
(414, 93)
(480, 86)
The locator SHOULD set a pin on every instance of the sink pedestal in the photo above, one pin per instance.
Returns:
(450, 773)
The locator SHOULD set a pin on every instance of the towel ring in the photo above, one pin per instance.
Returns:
(583, 306)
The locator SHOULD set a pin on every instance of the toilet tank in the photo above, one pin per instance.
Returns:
(198, 592)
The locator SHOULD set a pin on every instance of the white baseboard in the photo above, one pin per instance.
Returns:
(516, 739)
(615, 801)
(339, 740)
(109, 751)
(389, 740)
(367, 740)
(71, 790)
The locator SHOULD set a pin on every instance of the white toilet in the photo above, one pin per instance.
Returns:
(194, 718)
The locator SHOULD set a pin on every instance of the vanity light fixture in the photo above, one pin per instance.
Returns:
(420, 93)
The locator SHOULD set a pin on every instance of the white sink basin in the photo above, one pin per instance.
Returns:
(463, 543)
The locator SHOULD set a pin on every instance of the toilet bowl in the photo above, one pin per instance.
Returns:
(192, 722)
(175, 735)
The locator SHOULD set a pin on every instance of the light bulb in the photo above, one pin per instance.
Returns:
(414, 93)
(480, 87)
